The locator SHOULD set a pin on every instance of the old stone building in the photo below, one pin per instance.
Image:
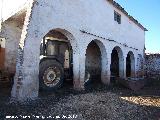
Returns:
(105, 41)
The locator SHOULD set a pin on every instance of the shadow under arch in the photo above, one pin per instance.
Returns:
(117, 63)
(130, 64)
(96, 60)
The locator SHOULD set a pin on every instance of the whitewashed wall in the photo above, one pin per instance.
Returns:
(96, 17)
(71, 16)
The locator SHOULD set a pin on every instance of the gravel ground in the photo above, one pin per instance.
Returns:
(98, 102)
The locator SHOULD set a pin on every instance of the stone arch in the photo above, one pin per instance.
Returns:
(27, 68)
(117, 62)
(130, 64)
(73, 46)
(69, 36)
(102, 57)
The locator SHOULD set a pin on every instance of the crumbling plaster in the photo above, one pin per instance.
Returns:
(11, 32)
(70, 17)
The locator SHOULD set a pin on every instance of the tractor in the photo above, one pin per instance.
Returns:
(56, 62)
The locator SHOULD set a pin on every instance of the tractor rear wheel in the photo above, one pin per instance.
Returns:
(51, 75)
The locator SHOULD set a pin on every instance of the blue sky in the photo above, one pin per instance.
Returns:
(147, 12)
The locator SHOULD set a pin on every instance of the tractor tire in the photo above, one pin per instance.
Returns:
(51, 75)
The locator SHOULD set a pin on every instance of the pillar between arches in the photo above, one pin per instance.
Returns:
(106, 81)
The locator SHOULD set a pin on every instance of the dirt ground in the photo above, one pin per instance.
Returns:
(98, 102)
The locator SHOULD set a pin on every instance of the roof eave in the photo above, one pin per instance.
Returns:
(119, 7)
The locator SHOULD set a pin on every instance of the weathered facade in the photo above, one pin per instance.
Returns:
(99, 42)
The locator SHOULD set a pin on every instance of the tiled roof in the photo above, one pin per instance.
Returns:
(119, 7)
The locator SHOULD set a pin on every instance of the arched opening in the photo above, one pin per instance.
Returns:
(130, 65)
(114, 63)
(93, 61)
(96, 62)
(55, 60)
(116, 67)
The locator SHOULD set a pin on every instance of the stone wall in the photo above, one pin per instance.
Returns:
(152, 66)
